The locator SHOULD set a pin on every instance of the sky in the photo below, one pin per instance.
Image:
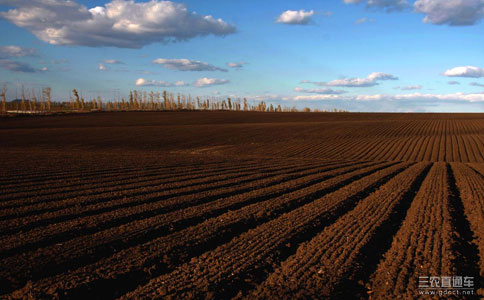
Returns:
(357, 55)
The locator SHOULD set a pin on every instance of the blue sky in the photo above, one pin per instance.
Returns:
(375, 55)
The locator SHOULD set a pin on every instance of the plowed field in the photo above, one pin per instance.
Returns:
(240, 205)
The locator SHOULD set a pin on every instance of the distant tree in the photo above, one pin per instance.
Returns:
(171, 102)
(4, 100)
(136, 103)
(22, 104)
(165, 100)
(157, 100)
(131, 100)
(47, 95)
(99, 103)
(152, 101)
(30, 101)
(183, 104)
(34, 100)
(76, 96)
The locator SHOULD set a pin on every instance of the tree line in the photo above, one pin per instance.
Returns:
(32, 102)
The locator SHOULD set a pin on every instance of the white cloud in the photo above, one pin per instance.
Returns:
(203, 82)
(369, 81)
(16, 51)
(183, 64)
(120, 23)
(236, 65)
(452, 82)
(267, 97)
(451, 12)
(476, 84)
(295, 17)
(381, 76)
(419, 96)
(16, 66)
(144, 82)
(387, 5)
(479, 97)
(102, 67)
(347, 82)
(323, 91)
(113, 62)
(411, 87)
(317, 97)
(54, 61)
(353, 82)
(364, 20)
(467, 71)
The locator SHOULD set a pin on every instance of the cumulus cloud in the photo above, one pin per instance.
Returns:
(119, 23)
(369, 81)
(203, 82)
(21, 67)
(236, 65)
(144, 82)
(16, 51)
(381, 76)
(113, 62)
(323, 91)
(452, 82)
(451, 12)
(295, 17)
(183, 64)
(467, 71)
(476, 84)
(386, 5)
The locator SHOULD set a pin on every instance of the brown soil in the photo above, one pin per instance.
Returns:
(222, 205)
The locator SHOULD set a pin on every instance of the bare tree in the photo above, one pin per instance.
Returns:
(76, 95)
(46, 97)
(4, 101)
(22, 104)
(33, 100)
